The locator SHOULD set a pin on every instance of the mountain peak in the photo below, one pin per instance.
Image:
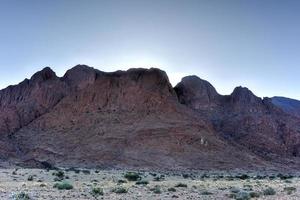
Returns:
(80, 76)
(196, 92)
(244, 95)
(45, 74)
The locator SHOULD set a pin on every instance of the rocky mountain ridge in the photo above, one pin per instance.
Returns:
(136, 119)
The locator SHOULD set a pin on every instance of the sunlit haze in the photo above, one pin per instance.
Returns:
(229, 43)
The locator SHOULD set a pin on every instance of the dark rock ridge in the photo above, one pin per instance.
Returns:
(244, 118)
(136, 119)
(288, 105)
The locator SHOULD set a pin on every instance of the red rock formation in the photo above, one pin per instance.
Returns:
(135, 118)
(244, 118)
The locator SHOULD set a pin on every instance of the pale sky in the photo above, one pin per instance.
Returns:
(252, 43)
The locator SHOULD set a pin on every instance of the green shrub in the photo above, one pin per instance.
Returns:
(254, 194)
(122, 181)
(181, 185)
(243, 176)
(119, 190)
(269, 191)
(85, 171)
(56, 179)
(235, 190)
(22, 196)
(260, 177)
(171, 189)
(156, 189)
(30, 178)
(43, 185)
(206, 193)
(152, 174)
(289, 190)
(75, 170)
(59, 175)
(159, 178)
(284, 176)
(242, 195)
(186, 176)
(63, 186)
(231, 195)
(97, 192)
(142, 182)
(132, 176)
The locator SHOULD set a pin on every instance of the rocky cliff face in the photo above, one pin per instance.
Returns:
(136, 119)
(245, 119)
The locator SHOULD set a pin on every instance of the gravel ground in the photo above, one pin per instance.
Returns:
(88, 184)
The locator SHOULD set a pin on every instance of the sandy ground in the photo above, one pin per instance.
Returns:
(38, 184)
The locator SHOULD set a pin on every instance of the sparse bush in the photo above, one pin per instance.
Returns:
(248, 187)
(156, 189)
(243, 176)
(242, 195)
(229, 178)
(206, 193)
(142, 182)
(272, 177)
(186, 176)
(269, 191)
(59, 175)
(30, 178)
(152, 174)
(97, 192)
(284, 176)
(56, 179)
(132, 176)
(288, 181)
(75, 170)
(203, 176)
(43, 185)
(122, 181)
(254, 194)
(158, 178)
(85, 171)
(119, 190)
(171, 189)
(181, 185)
(22, 196)
(231, 195)
(235, 190)
(260, 177)
(289, 190)
(48, 166)
(63, 186)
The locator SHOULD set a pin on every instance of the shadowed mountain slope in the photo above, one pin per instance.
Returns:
(135, 119)
(244, 118)
(291, 106)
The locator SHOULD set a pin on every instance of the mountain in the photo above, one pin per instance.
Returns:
(136, 119)
(291, 106)
(244, 118)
